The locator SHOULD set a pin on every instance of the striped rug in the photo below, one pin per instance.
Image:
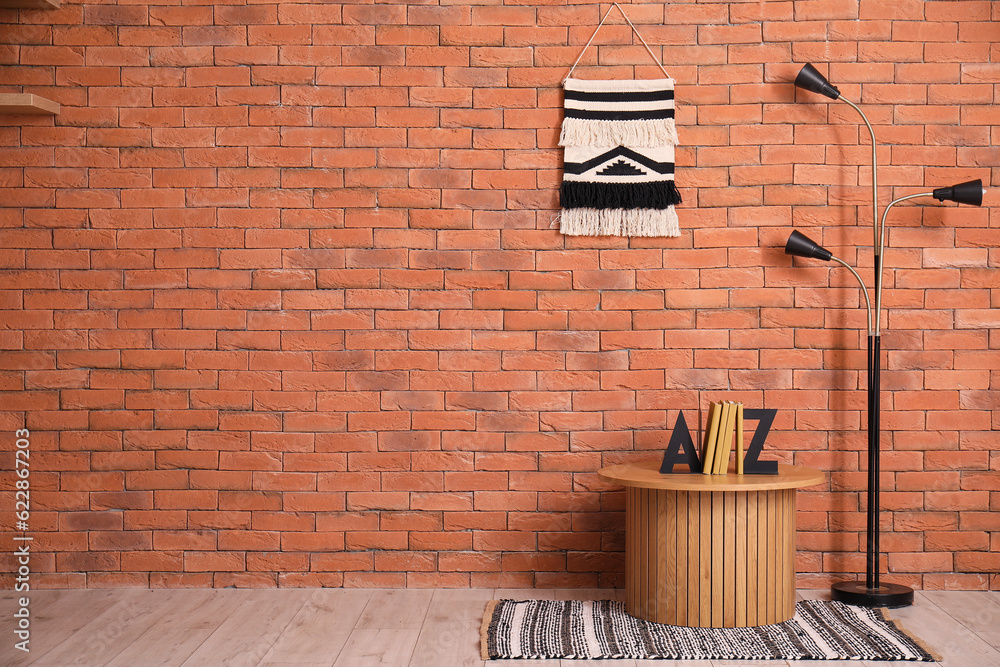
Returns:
(575, 629)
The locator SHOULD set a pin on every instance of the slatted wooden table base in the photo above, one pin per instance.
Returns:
(710, 550)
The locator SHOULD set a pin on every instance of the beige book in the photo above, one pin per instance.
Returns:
(717, 441)
(739, 439)
(725, 440)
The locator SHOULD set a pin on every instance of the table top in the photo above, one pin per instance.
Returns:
(647, 476)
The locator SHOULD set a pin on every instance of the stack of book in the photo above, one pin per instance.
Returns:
(724, 420)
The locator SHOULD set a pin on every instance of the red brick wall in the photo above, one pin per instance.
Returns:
(283, 304)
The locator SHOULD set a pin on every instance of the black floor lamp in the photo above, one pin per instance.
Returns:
(871, 592)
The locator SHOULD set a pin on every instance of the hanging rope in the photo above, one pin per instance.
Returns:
(634, 30)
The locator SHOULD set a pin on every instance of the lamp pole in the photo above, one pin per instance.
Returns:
(874, 379)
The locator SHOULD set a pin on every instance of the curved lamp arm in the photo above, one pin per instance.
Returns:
(875, 226)
(864, 290)
(881, 248)
(800, 245)
(810, 79)
(970, 192)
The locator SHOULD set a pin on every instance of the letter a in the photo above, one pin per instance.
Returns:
(680, 438)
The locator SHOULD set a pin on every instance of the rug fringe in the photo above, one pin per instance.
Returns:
(916, 639)
(619, 222)
(641, 133)
(484, 650)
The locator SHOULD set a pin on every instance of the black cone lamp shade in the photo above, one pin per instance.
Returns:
(810, 79)
(970, 192)
(800, 245)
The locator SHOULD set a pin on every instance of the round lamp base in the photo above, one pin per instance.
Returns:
(858, 594)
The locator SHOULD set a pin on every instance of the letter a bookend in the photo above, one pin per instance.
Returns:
(680, 439)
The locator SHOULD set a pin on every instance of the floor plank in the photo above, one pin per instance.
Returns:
(39, 605)
(320, 629)
(378, 647)
(454, 643)
(976, 610)
(396, 609)
(524, 594)
(108, 634)
(62, 623)
(178, 633)
(458, 605)
(254, 626)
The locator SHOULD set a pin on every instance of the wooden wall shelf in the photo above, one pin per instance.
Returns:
(26, 103)
(31, 4)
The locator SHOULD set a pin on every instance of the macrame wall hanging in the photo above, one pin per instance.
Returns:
(619, 139)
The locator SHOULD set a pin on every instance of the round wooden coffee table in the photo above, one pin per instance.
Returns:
(711, 551)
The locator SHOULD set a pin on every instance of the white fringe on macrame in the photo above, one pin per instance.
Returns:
(632, 133)
(619, 222)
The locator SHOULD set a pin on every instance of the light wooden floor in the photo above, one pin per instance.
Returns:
(362, 627)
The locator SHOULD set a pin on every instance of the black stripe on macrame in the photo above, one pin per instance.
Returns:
(662, 168)
(582, 194)
(629, 96)
(649, 114)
